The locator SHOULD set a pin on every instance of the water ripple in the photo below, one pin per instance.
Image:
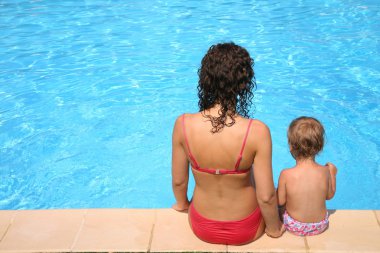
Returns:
(89, 91)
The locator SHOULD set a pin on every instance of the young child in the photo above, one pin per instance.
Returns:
(304, 189)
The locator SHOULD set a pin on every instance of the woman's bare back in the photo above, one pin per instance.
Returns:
(214, 194)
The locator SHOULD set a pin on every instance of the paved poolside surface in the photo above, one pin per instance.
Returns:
(165, 230)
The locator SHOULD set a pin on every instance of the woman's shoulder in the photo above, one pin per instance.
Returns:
(259, 127)
(186, 116)
(258, 123)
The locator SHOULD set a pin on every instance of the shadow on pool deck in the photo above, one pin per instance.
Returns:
(164, 230)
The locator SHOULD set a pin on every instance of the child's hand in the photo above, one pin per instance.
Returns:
(181, 208)
(332, 168)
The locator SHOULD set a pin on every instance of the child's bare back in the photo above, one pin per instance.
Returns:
(304, 188)
(308, 185)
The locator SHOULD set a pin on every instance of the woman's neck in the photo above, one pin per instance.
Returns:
(215, 111)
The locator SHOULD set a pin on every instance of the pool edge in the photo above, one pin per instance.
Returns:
(165, 230)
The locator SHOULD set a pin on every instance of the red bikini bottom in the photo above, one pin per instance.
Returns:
(225, 232)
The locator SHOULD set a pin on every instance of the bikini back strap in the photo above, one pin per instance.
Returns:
(192, 159)
(243, 146)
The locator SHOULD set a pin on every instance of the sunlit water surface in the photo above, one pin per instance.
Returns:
(89, 91)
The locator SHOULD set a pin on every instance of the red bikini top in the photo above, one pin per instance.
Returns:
(195, 165)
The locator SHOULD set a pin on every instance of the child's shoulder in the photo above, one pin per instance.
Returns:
(322, 168)
(287, 172)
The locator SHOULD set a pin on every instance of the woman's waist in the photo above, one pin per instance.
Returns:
(225, 206)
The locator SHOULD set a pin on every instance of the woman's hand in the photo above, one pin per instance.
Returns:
(181, 207)
(277, 233)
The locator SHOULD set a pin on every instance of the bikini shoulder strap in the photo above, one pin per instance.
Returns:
(243, 145)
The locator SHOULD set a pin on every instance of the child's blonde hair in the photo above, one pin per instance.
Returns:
(305, 137)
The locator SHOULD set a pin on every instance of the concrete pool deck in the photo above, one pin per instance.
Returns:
(165, 230)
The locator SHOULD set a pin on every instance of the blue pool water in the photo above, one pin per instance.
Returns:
(89, 91)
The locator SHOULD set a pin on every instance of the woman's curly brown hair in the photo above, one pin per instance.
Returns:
(226, 77)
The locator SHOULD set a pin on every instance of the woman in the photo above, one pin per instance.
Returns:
(230, 155)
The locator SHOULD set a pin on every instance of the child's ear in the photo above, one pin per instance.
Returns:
(291, 151)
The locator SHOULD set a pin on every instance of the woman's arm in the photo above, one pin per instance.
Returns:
(266, 194)
(180, 168)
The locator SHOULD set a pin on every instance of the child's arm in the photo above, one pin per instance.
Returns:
(281, 195)
(281, 189)
(332, 184)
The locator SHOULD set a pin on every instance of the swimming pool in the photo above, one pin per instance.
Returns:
(89, 91)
